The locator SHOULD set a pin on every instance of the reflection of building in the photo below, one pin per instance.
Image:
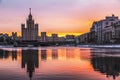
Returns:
(14, 55)
(70, 53)
(30, 60)
(54, 54)
(43, 55)
(29, 33)
(7, 54)
(106, 65)
(4, 54)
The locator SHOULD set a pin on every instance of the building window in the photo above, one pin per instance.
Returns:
(106, 23)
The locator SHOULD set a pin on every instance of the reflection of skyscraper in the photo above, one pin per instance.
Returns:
(30, 59)
(54, 54)
(106, 65)
(43, 55)
(14, 55)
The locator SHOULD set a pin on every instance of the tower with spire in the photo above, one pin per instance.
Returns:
(30, 31)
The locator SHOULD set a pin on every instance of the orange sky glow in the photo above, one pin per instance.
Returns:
(61, 16)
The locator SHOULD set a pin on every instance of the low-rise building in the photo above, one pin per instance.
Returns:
(70, 38)
(43, 37)
(103, 31)
(55, 37)
(14, 36)
(117, 32)
(109, 29)
(84, 38)
(93, 33)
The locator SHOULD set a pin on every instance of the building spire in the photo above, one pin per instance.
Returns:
(30, 10)
(30, 15)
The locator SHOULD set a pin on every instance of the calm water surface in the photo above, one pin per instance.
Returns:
(59, 63)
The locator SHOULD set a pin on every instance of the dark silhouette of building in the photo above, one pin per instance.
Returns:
(106, 65)
(30, 60)
(43, 37)
(30, 32)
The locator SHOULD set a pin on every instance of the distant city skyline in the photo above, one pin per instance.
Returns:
(61, 16)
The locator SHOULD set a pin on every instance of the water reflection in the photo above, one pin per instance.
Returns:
(43, 54)
(14, 55)
(61, 63)
(70, 53)
(30, 60)
(108, 65)
(4, 54)
(54, 54)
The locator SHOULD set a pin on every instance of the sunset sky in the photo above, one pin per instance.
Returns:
(56, 16)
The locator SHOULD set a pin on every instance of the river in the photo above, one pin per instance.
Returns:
(59, 63)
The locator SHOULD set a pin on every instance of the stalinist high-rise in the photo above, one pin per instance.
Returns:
(30, 32)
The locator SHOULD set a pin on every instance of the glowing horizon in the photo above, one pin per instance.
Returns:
(48, 34)
(61, 16)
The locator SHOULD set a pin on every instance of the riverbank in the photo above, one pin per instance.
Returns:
(100, 46)
(84, 46)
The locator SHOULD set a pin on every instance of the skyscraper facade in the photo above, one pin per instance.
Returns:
(30, 32)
